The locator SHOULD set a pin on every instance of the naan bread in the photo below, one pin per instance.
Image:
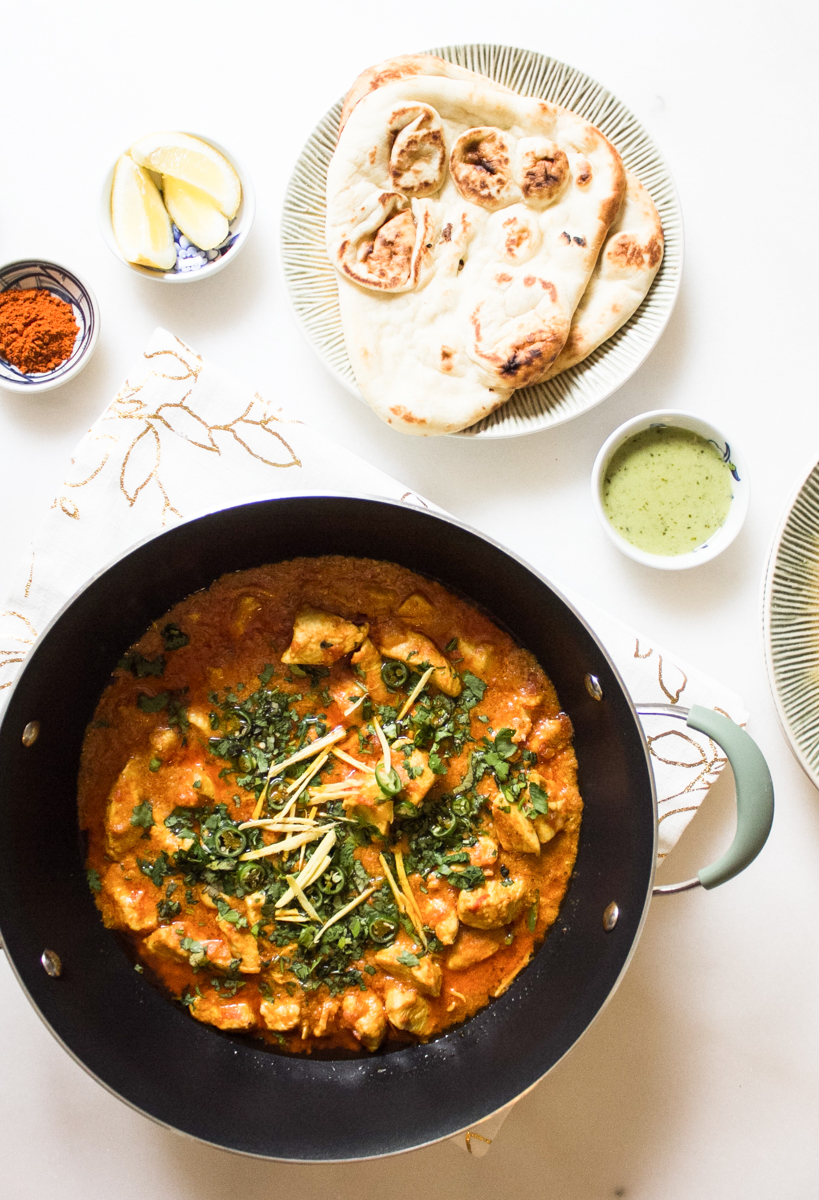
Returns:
(464, 223)
(625, 271)
(402, 67)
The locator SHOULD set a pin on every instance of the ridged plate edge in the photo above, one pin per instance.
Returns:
(790, 622)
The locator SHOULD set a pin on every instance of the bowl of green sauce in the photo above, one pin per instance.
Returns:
(670, 490)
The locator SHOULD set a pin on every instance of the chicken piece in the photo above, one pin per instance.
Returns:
(413, 769)
(405, 1008)
(164, 739)
(514, 830)
(279, 970)
(484, 853)
(478, 657)
(474, 946)
(246, 609)
(318, 1021)
(549, 825)
(439, 909)
(128, 903)
(494, 904)
(321, 638)
(126, 794)
(224, 1014)
(200, 718)
(368, 662)
(549, 735)
(394, 640)
(280, 1014)
(426, 976)
(253, 906)
(369, 806)
(243, 946)
(364, 1013)
(417, 609)
(167, 942)
(347, 690)
(137, 785)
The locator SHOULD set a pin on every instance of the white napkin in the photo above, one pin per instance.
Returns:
(181, 437)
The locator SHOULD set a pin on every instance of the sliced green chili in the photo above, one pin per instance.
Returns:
(229, 841)
(394, 674)
(389, 782)
(382, 930)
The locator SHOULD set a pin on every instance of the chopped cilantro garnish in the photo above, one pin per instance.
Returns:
(539, 799)
(173, 637)
(141, 666)
(143, 815)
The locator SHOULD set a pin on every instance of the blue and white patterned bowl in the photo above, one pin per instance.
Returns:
(191, 263)
(67, 286)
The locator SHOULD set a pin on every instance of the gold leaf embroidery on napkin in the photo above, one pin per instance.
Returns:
(141, 465)
(191, 369)
(66, 506)
(674, 697)
(182, 421)
(471, 1136)
(252, 430)
(103, 437)
(30, 579)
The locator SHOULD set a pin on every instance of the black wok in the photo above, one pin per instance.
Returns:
(230, 1090)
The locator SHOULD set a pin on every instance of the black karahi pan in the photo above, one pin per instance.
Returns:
(230, 1090)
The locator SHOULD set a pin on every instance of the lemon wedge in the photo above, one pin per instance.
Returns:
(194, 162)
(141, 225)
(193, 211)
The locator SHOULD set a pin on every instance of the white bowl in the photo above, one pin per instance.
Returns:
(68, 286)
(737, 512)
(239, 226)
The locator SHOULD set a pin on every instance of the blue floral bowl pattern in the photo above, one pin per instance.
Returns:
(37, 273)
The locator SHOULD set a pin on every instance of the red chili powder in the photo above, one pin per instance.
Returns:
(37, 329)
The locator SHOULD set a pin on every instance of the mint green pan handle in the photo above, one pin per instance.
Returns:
(755, 799)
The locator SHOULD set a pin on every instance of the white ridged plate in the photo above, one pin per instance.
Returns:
(311, 280)
(790, 622)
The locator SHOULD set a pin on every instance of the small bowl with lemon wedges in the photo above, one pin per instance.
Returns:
(176, 207)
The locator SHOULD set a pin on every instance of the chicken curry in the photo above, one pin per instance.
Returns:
(331, 804)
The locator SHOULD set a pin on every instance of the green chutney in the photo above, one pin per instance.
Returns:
(667, 490)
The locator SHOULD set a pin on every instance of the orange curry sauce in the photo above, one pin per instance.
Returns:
(462, 843)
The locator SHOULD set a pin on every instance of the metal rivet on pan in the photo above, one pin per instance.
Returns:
(593, 687)
(51, 963)
(31, 733)
(611, 917)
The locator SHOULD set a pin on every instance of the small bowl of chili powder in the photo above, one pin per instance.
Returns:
(49, 324)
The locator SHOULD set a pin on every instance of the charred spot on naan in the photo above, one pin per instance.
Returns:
(480, 163)
(382, 260)
(522, 358)
(628, 250)
(521, 236)
(583, 173)
(418, 151)
(543, 170)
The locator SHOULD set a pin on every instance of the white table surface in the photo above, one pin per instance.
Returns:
(701, 1079)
